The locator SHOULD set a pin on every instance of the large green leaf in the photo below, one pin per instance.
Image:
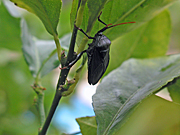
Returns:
(149, 40)
(41, 55)
(154, 116)
(47, 10)
(87, 125)
(124, 88)
(140, 11)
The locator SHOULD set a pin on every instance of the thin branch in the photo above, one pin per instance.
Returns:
(51, 113)
(61, 82)
(72, 45)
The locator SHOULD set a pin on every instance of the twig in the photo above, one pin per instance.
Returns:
(61, 82)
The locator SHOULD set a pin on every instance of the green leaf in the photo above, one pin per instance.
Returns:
(41, 55)
(125, 87)
(140, 11)
(87, 125)
(48, 11)
(118, 11)
(154, 116)
(174, 91)
(73, 12)
(115, 12)
(149, 40)
(10, 30)
(95, 7)
(91, 12)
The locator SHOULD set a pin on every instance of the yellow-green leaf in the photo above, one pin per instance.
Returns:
(87, 125)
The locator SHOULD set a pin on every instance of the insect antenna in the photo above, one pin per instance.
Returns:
(110, 26)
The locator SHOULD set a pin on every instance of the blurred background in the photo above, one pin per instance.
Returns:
(18, 115)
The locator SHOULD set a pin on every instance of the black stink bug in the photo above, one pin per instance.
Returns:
(98, 53)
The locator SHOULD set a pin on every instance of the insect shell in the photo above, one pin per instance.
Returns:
(98, 57)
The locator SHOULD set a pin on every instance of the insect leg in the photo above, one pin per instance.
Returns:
(100, 19)
(84, 32)
(74, 61)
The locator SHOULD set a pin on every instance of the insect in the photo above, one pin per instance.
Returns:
(97, 52)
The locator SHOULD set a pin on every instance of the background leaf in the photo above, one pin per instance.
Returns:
(124, 88)
(149, 40)
(36, 52)
(18, 114)
(10, 29)
(87, 125)
(175, 40)
(43, 9)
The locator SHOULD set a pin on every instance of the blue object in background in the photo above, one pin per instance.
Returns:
(65, 115)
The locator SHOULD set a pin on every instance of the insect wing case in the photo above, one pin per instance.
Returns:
(98, 58)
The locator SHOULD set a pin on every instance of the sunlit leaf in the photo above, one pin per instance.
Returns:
(87, 125)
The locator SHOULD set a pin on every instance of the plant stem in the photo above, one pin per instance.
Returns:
(57, 97)
(58, 94)
(63, 75)
(51, 112)
(40, 104)
(71, 48)
(58, 46)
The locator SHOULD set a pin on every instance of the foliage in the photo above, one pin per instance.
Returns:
(125, 98)
(131, 83)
